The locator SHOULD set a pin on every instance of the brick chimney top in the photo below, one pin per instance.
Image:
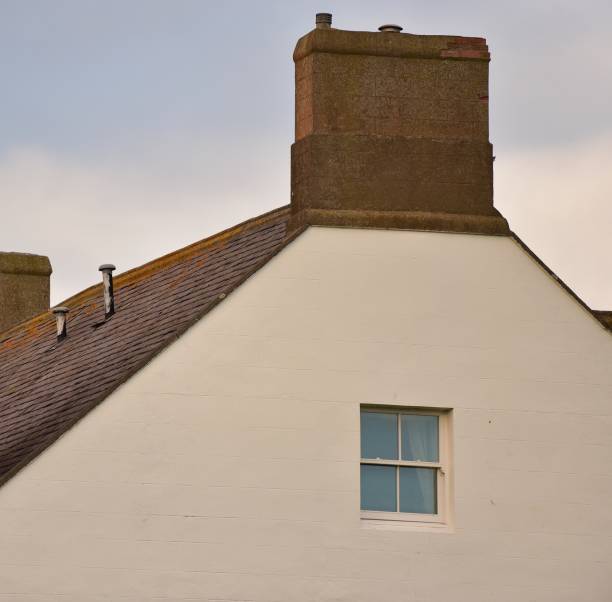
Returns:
(24, 287)
(392, 131)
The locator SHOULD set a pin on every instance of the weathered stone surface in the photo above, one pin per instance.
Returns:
(24, 287)
(394, 173)
(402, 220)
(404, 45)
(391, 122)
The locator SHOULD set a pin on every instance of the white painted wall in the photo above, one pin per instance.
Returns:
(228, 469)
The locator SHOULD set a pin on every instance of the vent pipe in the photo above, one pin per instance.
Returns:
(323, 20)
(107, 281)
(60, 321)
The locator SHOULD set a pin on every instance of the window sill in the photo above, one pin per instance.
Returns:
(395, 523)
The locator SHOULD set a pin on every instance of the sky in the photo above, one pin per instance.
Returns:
(130, 128)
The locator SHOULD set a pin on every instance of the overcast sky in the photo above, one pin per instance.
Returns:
(130, 128)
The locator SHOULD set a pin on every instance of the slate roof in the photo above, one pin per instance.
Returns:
(605, 317)
(46, 386)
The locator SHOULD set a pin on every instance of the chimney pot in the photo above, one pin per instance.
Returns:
(389, 27)
(109, 296)
(323, 20)
(60, 321)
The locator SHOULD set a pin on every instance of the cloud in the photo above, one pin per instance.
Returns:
(559, 201)
(86, 212)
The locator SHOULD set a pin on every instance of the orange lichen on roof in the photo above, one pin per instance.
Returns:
(136, 274)
(216, 240)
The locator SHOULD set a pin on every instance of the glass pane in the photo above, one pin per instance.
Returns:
(419, 438)
(418, 490)
(379, 435)
(378, 488)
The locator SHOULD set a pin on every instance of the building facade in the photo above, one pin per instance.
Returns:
(396, 402)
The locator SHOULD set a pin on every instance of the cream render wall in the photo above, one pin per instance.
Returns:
(228, 468)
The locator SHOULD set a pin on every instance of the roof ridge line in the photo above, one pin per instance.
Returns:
(570, 291)
(154, 264)
(178, 254)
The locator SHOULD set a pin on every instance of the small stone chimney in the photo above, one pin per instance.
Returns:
(392, 131)
(24, 287)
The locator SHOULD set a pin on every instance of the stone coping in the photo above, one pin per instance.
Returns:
(24, 263)
(405, 45)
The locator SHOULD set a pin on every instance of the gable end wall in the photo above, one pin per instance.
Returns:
(228, 468)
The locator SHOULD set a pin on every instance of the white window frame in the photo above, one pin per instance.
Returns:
(444, 477)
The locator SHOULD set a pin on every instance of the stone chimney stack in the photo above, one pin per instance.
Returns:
(392, 131)
(24, 287)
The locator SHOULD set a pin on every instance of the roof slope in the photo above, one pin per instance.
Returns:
(46, 386)
(605, 317)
